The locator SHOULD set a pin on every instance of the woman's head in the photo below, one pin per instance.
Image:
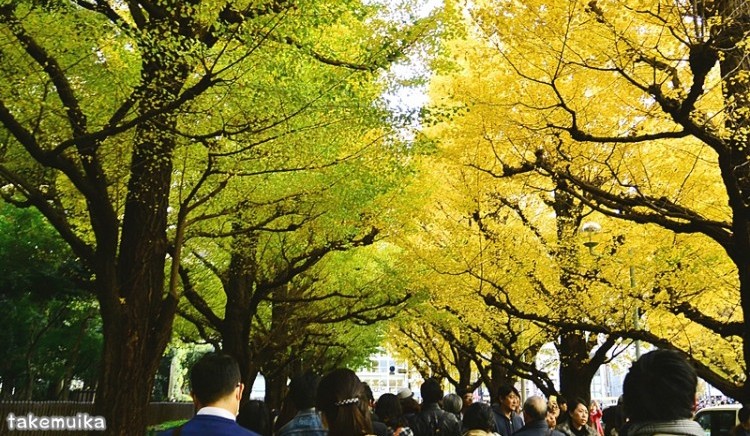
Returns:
(553, 408)
(344, 404)
(551, 419)
(579, 412)
(453, 403)
(388, 409)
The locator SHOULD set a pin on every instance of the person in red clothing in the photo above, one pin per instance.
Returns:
(595, 416)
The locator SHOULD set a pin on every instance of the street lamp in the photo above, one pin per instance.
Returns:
(590, 228)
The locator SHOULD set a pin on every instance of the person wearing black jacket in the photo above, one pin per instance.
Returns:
(432, 420)
(535, 417)
(507, 421)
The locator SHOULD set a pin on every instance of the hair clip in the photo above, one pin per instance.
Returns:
(347, 401)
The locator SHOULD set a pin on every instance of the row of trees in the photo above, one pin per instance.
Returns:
(205, 158)
(629, 114)
(233, 163)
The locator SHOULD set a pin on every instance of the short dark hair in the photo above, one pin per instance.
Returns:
(388, 409)
(479, 416)
(431, 391)
(573, 405)
(562, 400)
(506, 389)
(214, 376)
(409, 405)
(302, 390)
(660, 386)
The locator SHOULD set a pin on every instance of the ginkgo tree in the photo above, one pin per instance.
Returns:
(93, 124)
(636, 111)
(505, 262)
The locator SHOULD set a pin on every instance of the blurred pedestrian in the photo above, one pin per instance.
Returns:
(388, 408)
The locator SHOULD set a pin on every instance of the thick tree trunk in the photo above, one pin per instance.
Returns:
(744, 271)
(136, 315)
(241, 306)
(126, 383)
(235, 337)
(733, 161)
(137, 321)
(499, 376)
(463, 366)
(276, 389)
(576, 368)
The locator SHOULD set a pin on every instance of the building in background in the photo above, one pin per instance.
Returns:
(388, 375)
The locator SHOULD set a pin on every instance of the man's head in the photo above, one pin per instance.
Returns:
(431, 391)
(660, 386)
(467, 396)
(534, 409)
(509, 397)
(215, 381)
(302, 390)
(562, 403)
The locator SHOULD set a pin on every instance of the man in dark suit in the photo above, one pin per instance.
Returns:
(507, 421)
(535, 417)
(216, 390)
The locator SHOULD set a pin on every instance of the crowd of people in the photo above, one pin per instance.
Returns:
(658, 399)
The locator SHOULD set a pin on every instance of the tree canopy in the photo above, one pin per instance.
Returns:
(629, 112)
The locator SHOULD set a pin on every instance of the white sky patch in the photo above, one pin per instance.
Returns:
(409, 93)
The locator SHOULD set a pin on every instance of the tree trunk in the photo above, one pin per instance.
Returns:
(733, 161)
(136, 316)
(499, 376)
(128, 377)
(463, 365)
(576, 369)
(241, 306)
(276, 389)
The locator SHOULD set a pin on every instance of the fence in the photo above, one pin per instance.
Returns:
(156, 413)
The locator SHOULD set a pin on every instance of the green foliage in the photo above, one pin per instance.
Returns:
(50, 328)
(156, 429)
